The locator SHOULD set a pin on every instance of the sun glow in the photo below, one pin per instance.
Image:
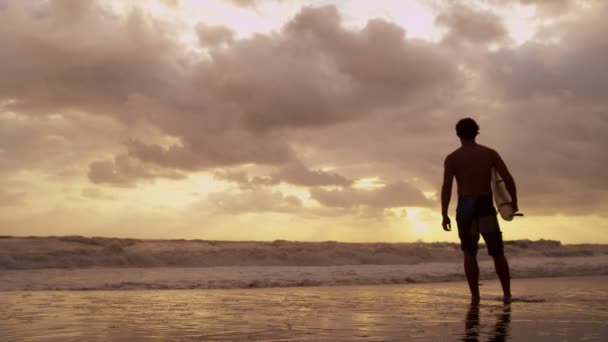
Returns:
(368, 183)
(520, 24)
(414, 217)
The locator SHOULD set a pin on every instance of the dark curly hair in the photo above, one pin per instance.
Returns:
(467, 129)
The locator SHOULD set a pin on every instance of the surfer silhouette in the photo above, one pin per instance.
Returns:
(471, 165)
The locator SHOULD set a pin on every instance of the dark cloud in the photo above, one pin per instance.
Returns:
(406, 144)
(544, 7)
(213, 35)
(93, 60)
(252, 3)
(126, 171)
(243, 180)
(53, 142)
(550, 7)
(252, 201)
(399, 194)
(10, 199)
(297, 174)
(96, 193)
(244, 3)
(294, 173)
(228, 148)
(171, 3)
(384, 67)
(471, 25)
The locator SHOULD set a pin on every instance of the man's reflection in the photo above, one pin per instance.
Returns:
(501, 328)
(471, 323)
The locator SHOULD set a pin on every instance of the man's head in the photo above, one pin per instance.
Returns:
(467, 129)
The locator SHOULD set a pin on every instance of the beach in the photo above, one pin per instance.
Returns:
(549, 309)
(106, 289)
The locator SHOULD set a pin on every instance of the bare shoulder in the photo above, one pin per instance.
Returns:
(451, 156)
(488, 150)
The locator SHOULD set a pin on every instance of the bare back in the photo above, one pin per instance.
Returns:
(471, 165)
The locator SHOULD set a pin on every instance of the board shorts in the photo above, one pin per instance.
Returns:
(476, 215)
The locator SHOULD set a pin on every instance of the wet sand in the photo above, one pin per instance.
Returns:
(550, 309)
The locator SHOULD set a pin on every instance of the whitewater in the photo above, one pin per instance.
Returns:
(96, 263)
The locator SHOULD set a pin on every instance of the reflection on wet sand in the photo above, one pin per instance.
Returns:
(501, 328)
(577, 310)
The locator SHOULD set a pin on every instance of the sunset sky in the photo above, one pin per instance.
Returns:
(297, 120)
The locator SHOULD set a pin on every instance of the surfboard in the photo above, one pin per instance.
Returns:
(502, 198)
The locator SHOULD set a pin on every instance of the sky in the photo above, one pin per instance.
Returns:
(296, 120)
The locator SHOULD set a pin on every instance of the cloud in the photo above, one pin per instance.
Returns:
(93, 59)
(254, 201)
(297, 174)
(96, 193)
(213, 35)
(243, 180)
(294, 173)
(378, 59)
(126, 172)
(312, 74)
(398, 194)
(244, 3)
(470, 25)
(53, 142)
(235, 107)
(550, 7)
(171, 3)
(368, 101)
(543, 8)
(572, 70)
(10, 199)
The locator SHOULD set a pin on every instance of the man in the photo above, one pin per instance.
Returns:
(471, 164)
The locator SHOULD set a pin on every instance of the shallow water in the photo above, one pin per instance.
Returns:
(553, 309)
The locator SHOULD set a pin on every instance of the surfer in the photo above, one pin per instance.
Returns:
(471, 165)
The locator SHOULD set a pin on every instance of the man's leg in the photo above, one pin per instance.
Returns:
(496, 250)
(468, 233)
(471, 270)
(502, 269)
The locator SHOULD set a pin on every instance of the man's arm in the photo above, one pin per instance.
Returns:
(446, 193)
(502, 170)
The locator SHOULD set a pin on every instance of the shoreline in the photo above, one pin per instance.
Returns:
(482, 282)
(243, 277)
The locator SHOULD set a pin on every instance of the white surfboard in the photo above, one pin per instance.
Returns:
(502, 198)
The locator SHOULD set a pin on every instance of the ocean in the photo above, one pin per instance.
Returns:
(79, 263)
(76, 288)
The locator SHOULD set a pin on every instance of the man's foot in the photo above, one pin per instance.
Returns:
(507, 299)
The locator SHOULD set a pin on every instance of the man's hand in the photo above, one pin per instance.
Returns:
(447, 224)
